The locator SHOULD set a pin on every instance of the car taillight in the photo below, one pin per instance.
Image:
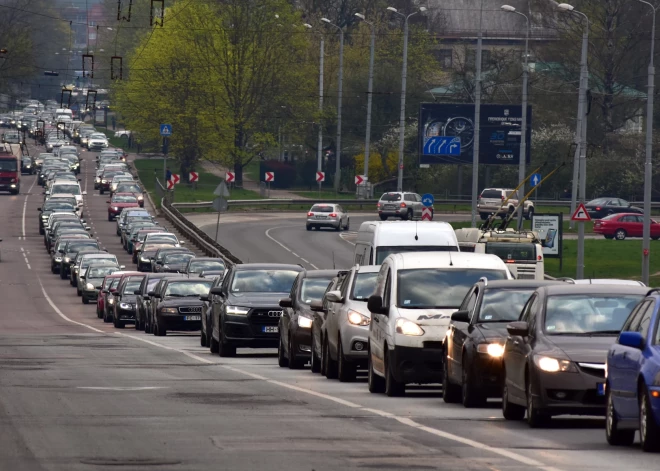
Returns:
(597, 208)
(403, 205)
(378, 205)
(310, 213)
(333, 215)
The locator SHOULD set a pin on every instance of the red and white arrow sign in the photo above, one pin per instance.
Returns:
(360, 179)
(270, 177)
(193, 177)
(176, 178)
(427, 214)
(230, 177)
(581, 214)
(170, 184)
(320, 176)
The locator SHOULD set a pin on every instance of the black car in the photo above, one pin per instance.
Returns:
(54, 206)
(198, 265)
(295, 325)
(246, 309)
(601, 207)
(171, 259)
(207, 308)
(320, 311)
(475, 341)
(59, 250)
(71, 250)
(178, 306)
(148, 252)
(27, 166)
(125, 300)
(143, 301)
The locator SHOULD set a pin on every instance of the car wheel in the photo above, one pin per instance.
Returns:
(406, 216)
(649, 429)
(214, 345)
(511, 411)
(330, 364)
(471, 395)
(137, 323)
(78, 291)
(316, 361)
(295, 363)
(117, 323)
(109, 218)
(98, 312)
(62, 274)
(282, 360)
(106, 317)
(85, 300)
(451, 393)
(309, 228)
(393, 388)
(376, 383)
(655, 238)
(535, 418)
(322, 369)
(530, 213)
(383, 218)
(101, 190)
(202, 338)
(483, 216)
(348, 225)
(615, 436)
(609, 237)
(338, 228)
(226, 350)
(346, 371)
(620, 234)
(159, 330)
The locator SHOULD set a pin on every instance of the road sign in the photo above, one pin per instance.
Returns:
(443, 145)
(166, 130)
(170, 184)
(175, 179)
(230, 177)
(581, 214)
(535, 179)
(320, 177)
(427, 200)
(222, 190)
(220, 204)
(427, 214)
(360, 179)
(270, 177)
(193, 177)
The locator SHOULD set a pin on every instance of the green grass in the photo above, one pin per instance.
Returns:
(325, 194)
(588, 226)
(251, 170)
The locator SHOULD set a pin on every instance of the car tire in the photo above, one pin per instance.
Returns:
(483, 216)
(52, 269)
(393, 388)
(101, 190)
(322, 369)
(202, 338)
(471, 394)
(85, 300)
(214, 345)
(346, 370)
(309, 228)
(282, 360)
(109, 218)
(615, 436)
(62, 274)
(535, 417)
(451, 393)
(315, 360)
(649, 429)
(348, 225)
(406, 216)
(330, 364)
(530, 213)
(338, 228)
(511, 411)
(295, 363)
(383, 218)
(375, 382)
(159, 330)
(226, 350)
(78, 291)
(106, 317)
(98, 312)
(620, 234)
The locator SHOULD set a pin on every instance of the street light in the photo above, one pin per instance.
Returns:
(523, 135)
(581, 134)
(319, 150)
(404, 72)
(367, 138)
(339, 97)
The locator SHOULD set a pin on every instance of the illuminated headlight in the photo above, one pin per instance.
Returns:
(406, 327)
(237, 310)
(28, 166)
(12, 185)
(111, 301)
(304, 322)
(494, 350)
(89, 286)
(58, 259)
(104, 181)
(356, 318)
(144, 259)
(169, 310)
(140, 198)
(98, 180)
(67, 260)
(127, 306)
(552, 365)
(115, 208)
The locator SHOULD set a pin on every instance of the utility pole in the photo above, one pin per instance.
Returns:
(319, 145)
(477, 121)
(340, 88)
(367, 138)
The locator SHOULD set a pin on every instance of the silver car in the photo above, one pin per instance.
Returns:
(327, 215)
(345, 331)
(398, 204)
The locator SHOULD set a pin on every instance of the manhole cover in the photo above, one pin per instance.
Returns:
(128, 462)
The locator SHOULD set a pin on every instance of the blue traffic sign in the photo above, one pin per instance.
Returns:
(535, 179)
(427, 200)
(165, 130)
(443, 145)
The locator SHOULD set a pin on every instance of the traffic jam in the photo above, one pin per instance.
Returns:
(423, 303)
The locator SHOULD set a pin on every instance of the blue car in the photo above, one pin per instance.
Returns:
(633, 378)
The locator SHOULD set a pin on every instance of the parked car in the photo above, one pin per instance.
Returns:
(621, 225)
(601, 207)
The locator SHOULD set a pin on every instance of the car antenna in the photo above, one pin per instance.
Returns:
(451, 263)
(416, 237)
(333, 260)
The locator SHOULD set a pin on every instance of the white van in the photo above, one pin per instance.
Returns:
(415, 296)
(378, 239)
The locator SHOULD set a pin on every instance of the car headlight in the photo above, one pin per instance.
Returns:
(144, 259)
(237, 310)
(125, 305)
(356, 318)
(169, 310)
(140, 197)
(58, 259)
(494, 350)
(98, 180)
(115, 208)
(89, 286)
(304, 322)
(67, 259)
(111, 301)
(553, 365)
(104, 181)
(406, 327)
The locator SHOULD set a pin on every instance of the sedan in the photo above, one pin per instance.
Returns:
(601, 207)
(120, 201)
(93, 281)
(97, 141)
(554, 357)
(327, 215)
(179, 306)
(620, 226)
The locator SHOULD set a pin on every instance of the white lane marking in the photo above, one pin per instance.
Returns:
(119, 388)
(343, 236)
(25, 205)
(27, 262)
(287, 248)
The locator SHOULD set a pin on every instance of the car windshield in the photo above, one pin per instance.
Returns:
(151, 283)
(512, 251)
(123, 188)
(177, 258)
(439, 288)
(588, 314)
(98, 260)
(97, 136)
(68, 189)
(503, 305)
(313, 289)
(132, 285)
(364, 286)
(78, 246)
(383, 252)
(114, 283)
(100, 272)
(188, 288)
(141, 236)
(8, 165)
(598, 201)
(138, 218)
(322, 208)
(391, 197)
(58, 206)
(162, 238)
(124, 199)
(263, 281)
(206, 265)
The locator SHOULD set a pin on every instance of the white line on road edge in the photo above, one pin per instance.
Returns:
(287, 248)
(341, 236)
(25, 205)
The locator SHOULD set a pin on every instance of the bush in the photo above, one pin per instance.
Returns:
(285, 173)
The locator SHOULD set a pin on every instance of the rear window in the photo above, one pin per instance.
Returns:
(322, 208)
(497, 194)
(391, 197)
(514, 251)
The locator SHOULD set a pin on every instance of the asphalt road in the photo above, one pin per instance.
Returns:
(76, 394)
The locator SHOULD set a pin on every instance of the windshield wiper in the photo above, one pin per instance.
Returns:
(604, 332)
(175, 296)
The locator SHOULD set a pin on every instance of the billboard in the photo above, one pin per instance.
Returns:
(446, 133)
(550, 230)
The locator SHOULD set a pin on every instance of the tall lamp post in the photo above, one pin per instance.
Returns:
(523, 128)
(477, 117)
(648, 164)
(367, 137)
(339, 97)
(319, 151)
(581, 131)
(404, 75)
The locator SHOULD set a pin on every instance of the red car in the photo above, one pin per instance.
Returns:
(103, 294)
(622, 225)
(140, 240)
(120, 201)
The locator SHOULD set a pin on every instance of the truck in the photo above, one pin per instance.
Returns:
(10, 168)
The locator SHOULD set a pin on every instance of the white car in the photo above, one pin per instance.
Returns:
(327, 215)
(415, 296)
(97, 141)
(66, 187)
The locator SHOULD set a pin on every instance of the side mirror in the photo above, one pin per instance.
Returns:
(104, 291)
(375, 305)
(113, 290)
(334, 296)
(61, 251)
(461, 316)
(87, 228)
(137, 291)
(82, 277)
(631, 339)
(204, 298)
(182, 242)
(84, 193)
(518, 329)
(159, 262)
(108, 201)
(39, 209)
(316, 306)
(286, 302)
(217, 291)
(152, 293)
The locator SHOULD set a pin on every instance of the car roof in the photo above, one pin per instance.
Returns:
(570, 288)
(447, 260)
(512, 284)
(318, 273)
(267, 266)
(368, 269)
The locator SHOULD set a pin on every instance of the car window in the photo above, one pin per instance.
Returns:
(131, 285)
(177, 257)
(322, 208)
(263, 281)
(408, 197)
(313, 289)
(656, 336)
(187, 288)
(623, 202)
(503, 305)
(491, 194)
(588, 314)
(387, 293)
(645, 321)
(391, 197)
(633, 318)
(364, 286)
(100, 272)
(198, 266)
(531, 305)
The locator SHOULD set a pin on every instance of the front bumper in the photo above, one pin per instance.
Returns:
(488, 373)
(417, 365)
(125, 314)
(354, 342)
(250, 331)
(90, 295)
(179, 322)
(9, 186)
(561, 393)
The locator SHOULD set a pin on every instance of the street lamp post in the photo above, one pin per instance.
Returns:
(340, 87)
(477, 118)
(523, 127)
(581, 131)
(404, 76)
(367, 137)
(319, 151)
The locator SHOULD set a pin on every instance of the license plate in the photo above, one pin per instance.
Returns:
(270, 329)
(192, 318)
(321, 217)
(600, 387)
